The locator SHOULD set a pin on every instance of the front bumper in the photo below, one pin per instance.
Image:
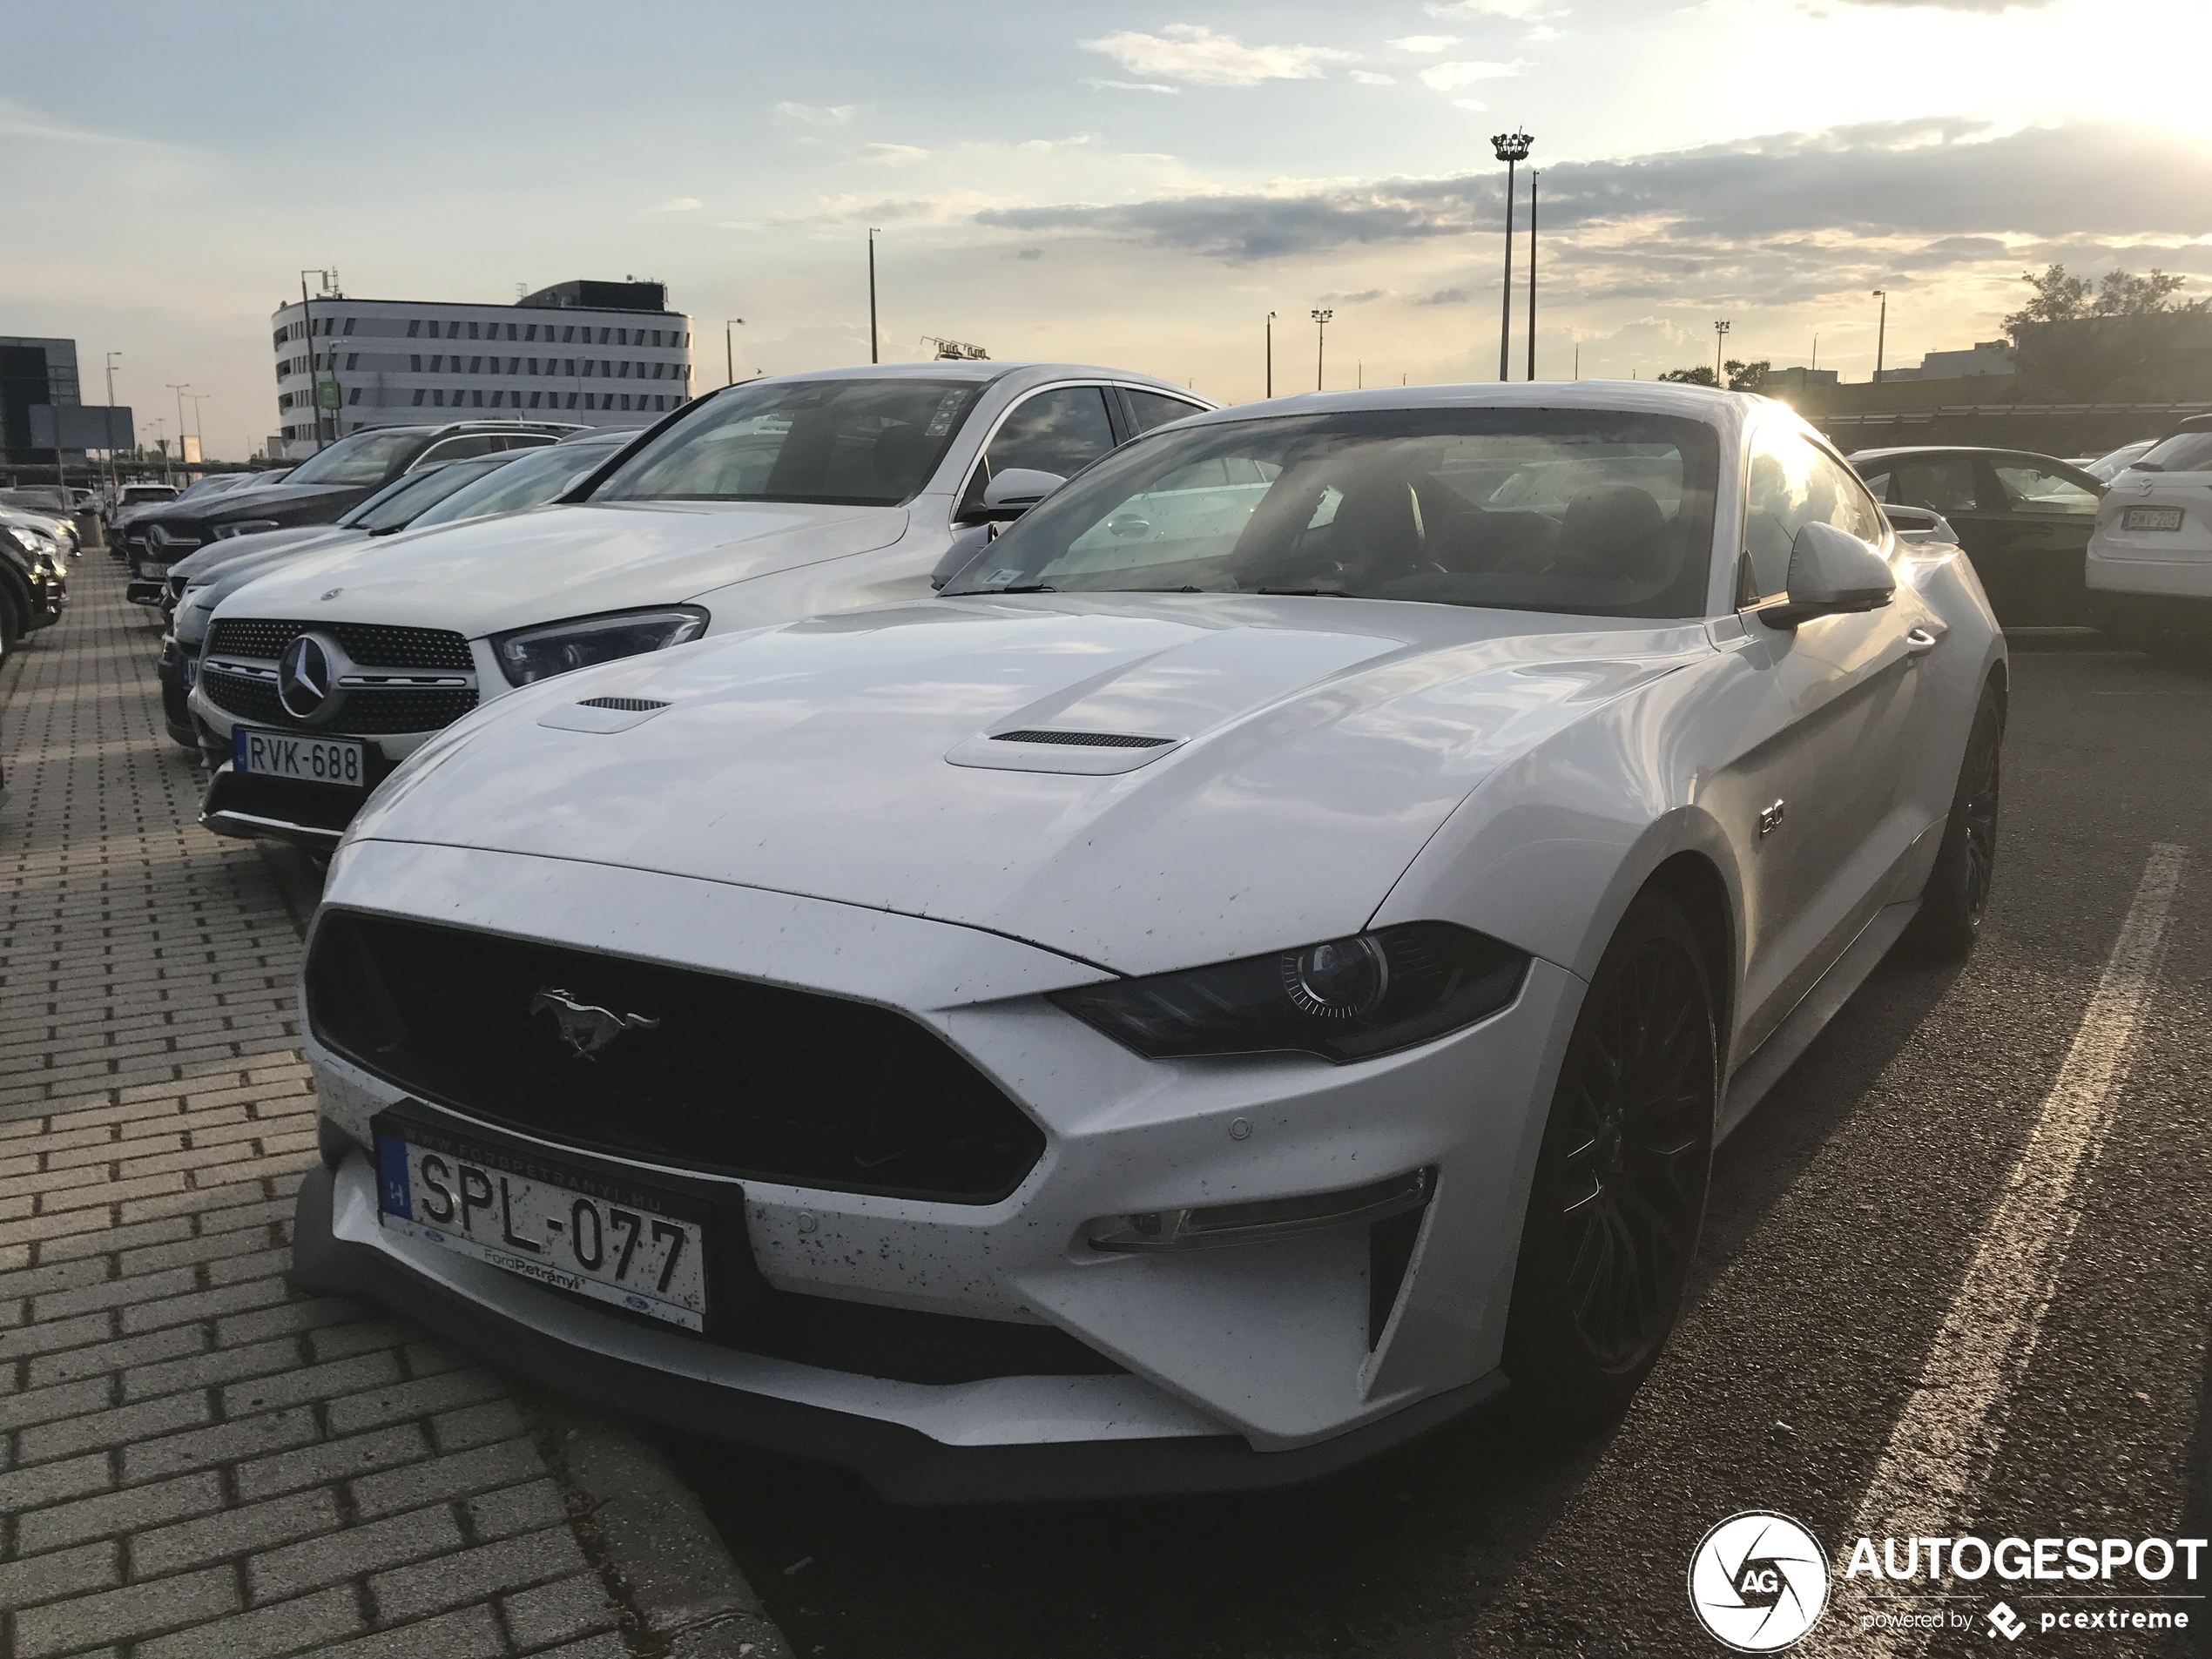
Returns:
(174, 671)
(1247, 1365)
(252, 807)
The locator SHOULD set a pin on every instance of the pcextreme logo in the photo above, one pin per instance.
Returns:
(1758, 1582)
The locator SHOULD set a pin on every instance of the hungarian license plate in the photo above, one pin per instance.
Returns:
(567, 1227)
(315, 760)
(187, 670)
(2151, 518)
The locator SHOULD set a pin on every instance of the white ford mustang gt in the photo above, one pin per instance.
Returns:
(1255, 968)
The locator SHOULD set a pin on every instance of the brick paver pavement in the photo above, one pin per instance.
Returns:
(194, 1459)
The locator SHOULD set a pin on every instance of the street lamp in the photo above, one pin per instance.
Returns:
(1881, 332)
(729, 350)
(1320, 343)
(873, 353)
(179, 391)
(1271, 355)
(111, 486)
(199, 434)
(308, 323)
(1513, 149)
(1720, 346)
(1532, 176)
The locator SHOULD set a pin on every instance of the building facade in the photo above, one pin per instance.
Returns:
(599, 354)
(33, 371)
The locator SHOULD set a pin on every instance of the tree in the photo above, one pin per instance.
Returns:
(1748, 377)
(1697, 375)
(2126, 337)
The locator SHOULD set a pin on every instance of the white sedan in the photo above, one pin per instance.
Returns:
(2150, 564)
(1258, 966)
(770, 500)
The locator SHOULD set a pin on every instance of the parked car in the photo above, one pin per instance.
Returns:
(319, 490)
(1918, 524)
(767, 501)
(43, 527)
(130, 501)
(1262, 961)
(34, 584)
(444, 495)
(2109, 467)
(2150, 557)
(53, 500)
(2023, 520)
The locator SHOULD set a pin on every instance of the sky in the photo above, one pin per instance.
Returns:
(1131, 184)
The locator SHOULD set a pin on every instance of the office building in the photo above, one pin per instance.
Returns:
(599, 354)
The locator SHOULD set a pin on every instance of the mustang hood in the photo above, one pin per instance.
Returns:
(486, 575)
(1295, 756)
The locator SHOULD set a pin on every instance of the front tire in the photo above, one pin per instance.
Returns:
(1957, 896)
(1618, 1192)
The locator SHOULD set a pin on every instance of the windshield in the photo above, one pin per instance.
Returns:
(1595, 512)
(534, 477)
(363, 458)
(867, 442)
(149, 492)
(400, 502)
(2184, 451)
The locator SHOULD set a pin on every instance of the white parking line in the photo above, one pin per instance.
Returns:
(1929, 1474)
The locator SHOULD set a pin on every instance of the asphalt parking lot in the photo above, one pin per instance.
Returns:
(1845, 1215)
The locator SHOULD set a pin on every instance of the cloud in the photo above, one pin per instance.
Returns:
(1361, 298)
(1515, 10)
(896, 155)
(1446, 297)
(1199, 57)
(1030, 253)
(1984, 6)
(1424, 43)
(1368, 78)
(1127, 86)
(1468, 104)
(1444, 77)
(681, 205)
(813, 115)
(1793, 205)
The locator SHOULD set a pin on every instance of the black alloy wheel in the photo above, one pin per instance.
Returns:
(1618, 1192)
(1957, 896)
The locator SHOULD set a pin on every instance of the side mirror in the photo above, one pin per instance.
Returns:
(1831, 571)
(962, 553)
(1012, 492)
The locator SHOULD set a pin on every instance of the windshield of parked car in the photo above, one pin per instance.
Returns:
(1594, 512)
(2183, 452)
(530, 478)
(364, 458)
(400, 502)
(867, 441)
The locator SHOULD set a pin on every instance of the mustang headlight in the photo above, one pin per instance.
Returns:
(539, 653)
(243, 527)
(1343, 999)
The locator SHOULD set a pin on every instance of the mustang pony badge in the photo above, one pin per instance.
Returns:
(586, 1028)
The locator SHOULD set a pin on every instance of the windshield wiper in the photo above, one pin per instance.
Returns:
(1024, 587)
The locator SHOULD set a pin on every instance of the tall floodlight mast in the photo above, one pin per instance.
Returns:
(1513, 149)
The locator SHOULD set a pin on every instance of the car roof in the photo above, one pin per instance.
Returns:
(1652, 397)
(987, 372)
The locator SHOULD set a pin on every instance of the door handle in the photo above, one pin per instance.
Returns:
(1919, 642)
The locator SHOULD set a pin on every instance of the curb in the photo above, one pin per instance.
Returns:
(658, 1555)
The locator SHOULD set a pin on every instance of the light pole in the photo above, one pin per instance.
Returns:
(112, 485)
(198, 433)
(179, 391)
(1320, 343)
(1881, 332)
(1271, 355)
(1532, 176)
(1720, 346)
(729, 350)
(1513, 149)
(872, 347)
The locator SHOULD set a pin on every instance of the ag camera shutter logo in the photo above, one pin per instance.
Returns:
(1758, 1582)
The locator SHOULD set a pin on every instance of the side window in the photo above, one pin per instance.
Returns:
(478, 443)
(1942, 484)
(1149, 409)
(2031, 489)
(1794, 484)
(1063, 431)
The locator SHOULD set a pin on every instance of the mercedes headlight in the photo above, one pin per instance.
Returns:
(1342, 999)
(243, 527)
(539, 653)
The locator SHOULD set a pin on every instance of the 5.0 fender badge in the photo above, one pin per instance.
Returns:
(586, 1027)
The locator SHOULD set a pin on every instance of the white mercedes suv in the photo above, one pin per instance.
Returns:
(767, 501)
(2149, 566)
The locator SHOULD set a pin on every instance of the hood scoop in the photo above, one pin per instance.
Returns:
(603, 714)
(1046, 749)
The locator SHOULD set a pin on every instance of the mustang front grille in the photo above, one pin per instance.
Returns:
(369, 645)
(693, 1069)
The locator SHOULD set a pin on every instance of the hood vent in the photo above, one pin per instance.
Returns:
(603, 713)
(1084, 740)
(625, 704)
